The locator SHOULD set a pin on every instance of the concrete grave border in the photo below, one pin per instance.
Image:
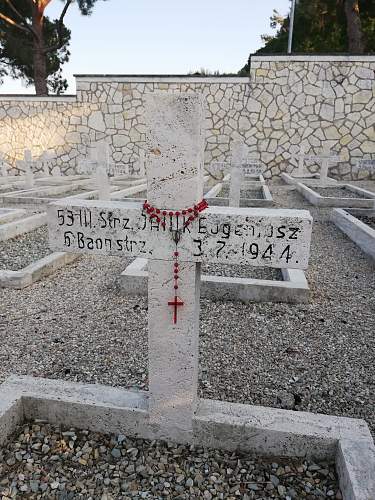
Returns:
(36, 270)
(22, 226)
(255, 430)
(266, 201)
(359, 232)
(309, 180)
(320, 201)
(11, 214)
(294, 289)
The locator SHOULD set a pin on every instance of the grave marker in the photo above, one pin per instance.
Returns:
(301, 162)
(102, 183)
(252, 167)
(3, 165)
(236, 173)
(325, 159)
(56, 172)
(46, 159)
(363, 164)
(25, 165)
(176, 232)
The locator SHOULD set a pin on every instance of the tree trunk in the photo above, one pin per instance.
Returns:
(40, 66)
(354, 27)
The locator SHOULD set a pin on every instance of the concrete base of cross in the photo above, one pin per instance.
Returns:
(216, 424)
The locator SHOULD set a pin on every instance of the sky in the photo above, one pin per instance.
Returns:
(161, 36)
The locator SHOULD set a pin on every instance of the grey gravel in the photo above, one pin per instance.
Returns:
(370, 221)
(252, 194)
(83, 464)
(238, 271)
(318, 357)
(19, 252)
(337, 192)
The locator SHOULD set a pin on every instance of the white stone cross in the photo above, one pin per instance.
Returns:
(139, 165)
(26, 164)
(259, 237)
(45, 160)
(236, 173)
(252, 167)
(326, 158)
(102, 181)
(301, 161)
(56, 172)
(4, 167)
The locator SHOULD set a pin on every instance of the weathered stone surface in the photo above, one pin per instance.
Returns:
(268, 238)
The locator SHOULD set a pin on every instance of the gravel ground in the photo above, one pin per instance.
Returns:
(252, 194)
(370, 221)
(19, 252)
(261, 273)
(45, 461)
(337, 193)
(71, 193)
(76, 325)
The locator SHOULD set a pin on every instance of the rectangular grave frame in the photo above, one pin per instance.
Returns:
(35, 271)
(293, 289)
(255, 430)
(11, 214)
(312, 180)
(320, 201)
(359, 232)
(266, 201)
(22, 226)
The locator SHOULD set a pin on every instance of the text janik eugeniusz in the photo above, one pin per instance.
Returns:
(107, 220)
(215, 236)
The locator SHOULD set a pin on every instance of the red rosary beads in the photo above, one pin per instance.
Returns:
(189, 214)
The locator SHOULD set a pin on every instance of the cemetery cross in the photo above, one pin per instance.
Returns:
(271, 238)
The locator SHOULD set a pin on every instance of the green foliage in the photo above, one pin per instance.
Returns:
(17, 42)
(320, 27)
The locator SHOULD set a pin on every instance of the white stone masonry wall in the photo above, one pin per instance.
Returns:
(286, 103)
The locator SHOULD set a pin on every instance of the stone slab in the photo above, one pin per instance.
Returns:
(293, 289)
(320, 201)
(266, 201)
(359, 232)
(253, 429)
(11, 214)
(22, 226)
(260, 237)
(35, 271)
(309, 180)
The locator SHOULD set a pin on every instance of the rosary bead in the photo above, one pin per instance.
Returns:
(183, 212)
(164, 212)
(171, 214)
(176, 254)
(190, 210)
(157, 211)
(177, 214)
(176, 287)
(176, 264)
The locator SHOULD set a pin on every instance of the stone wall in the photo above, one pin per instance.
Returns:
(287, 102)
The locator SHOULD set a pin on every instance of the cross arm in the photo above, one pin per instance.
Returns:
(249, 236)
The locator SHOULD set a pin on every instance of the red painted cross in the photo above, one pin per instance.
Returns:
(176, 302)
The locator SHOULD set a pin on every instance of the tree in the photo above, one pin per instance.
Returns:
(31, 45)
(325, 26)
(354, 27)
(16, 52)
